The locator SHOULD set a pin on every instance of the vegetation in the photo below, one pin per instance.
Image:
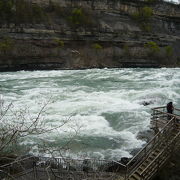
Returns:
(169, 51)
(152, 47)
(15, 125)
(59, 42)
(6, 11)
(144, 14)
(143, 17)
(25, 12)
(20, 12)
(6, 44)
(97, 46)
(80, 17)
(126, 50)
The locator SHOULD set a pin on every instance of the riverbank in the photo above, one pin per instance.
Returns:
(90, 34)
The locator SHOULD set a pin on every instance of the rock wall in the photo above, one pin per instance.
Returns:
(113, 38)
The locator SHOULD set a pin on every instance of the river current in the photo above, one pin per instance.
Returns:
(104, 107)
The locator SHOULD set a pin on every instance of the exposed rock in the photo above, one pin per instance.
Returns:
(146, 135)
(146, 103)
(121, 37)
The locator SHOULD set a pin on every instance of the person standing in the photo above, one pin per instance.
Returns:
(170, 109)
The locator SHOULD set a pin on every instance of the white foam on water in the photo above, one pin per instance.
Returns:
(81, 97)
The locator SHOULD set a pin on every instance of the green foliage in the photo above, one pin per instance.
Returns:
(59, 42)
(143, 17)
(6, 44)
(28, 13)
(6, 11)
(20, 12)
(79, 17)
(38, 13)
(146, 27)
(97, 46)
(144, 14)
(25, 12)
(169, 51)
(153, 48)
(126, 50)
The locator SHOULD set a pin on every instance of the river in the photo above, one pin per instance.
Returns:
(103, 107)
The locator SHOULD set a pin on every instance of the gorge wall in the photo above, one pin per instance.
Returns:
(78, 34)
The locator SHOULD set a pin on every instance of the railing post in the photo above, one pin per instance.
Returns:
(126, 173)
(145, 151)
(34, 168)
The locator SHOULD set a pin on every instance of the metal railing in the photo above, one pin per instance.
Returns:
(90, 165)
(157, 141)
(160, 159)
(19, 166)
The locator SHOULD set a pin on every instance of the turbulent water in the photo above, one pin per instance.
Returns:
(103, 107)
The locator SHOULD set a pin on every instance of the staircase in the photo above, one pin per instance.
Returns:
(156, 153)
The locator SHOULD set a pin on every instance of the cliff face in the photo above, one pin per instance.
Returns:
(75, 34)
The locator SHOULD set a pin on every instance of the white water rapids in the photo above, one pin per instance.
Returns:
(103, 105)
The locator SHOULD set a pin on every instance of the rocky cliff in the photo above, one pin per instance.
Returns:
(77, 34)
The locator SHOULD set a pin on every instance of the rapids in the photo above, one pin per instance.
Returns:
(103, 106)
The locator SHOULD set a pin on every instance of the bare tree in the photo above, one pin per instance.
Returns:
(15, 125)
(18, 124)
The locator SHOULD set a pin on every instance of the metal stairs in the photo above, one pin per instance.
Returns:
(157, 152)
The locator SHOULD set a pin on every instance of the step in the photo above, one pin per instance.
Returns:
(132, 178)
(136, 176)
(140, 169)
(146, 162)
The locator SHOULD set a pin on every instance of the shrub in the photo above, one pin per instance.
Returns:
(6, 44)
(28, 13)
(97, 46)
(152, 47)
(143, 17)
(146, 27)
(6, 11)
(80, 17)
(20, 12)
(126, 50)
(59, 42)
(169, 51)
(144, 14)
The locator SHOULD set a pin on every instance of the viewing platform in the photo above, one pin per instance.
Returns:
(143, 166)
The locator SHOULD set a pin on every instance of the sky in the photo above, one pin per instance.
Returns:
(176, 1)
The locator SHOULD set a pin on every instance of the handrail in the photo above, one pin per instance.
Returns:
(150, 141)
(119, 163)
(158, 107)
(154, 142)
(164, 107)
(160, 153)
(174, 115)
(177, 109)
(16, 161)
